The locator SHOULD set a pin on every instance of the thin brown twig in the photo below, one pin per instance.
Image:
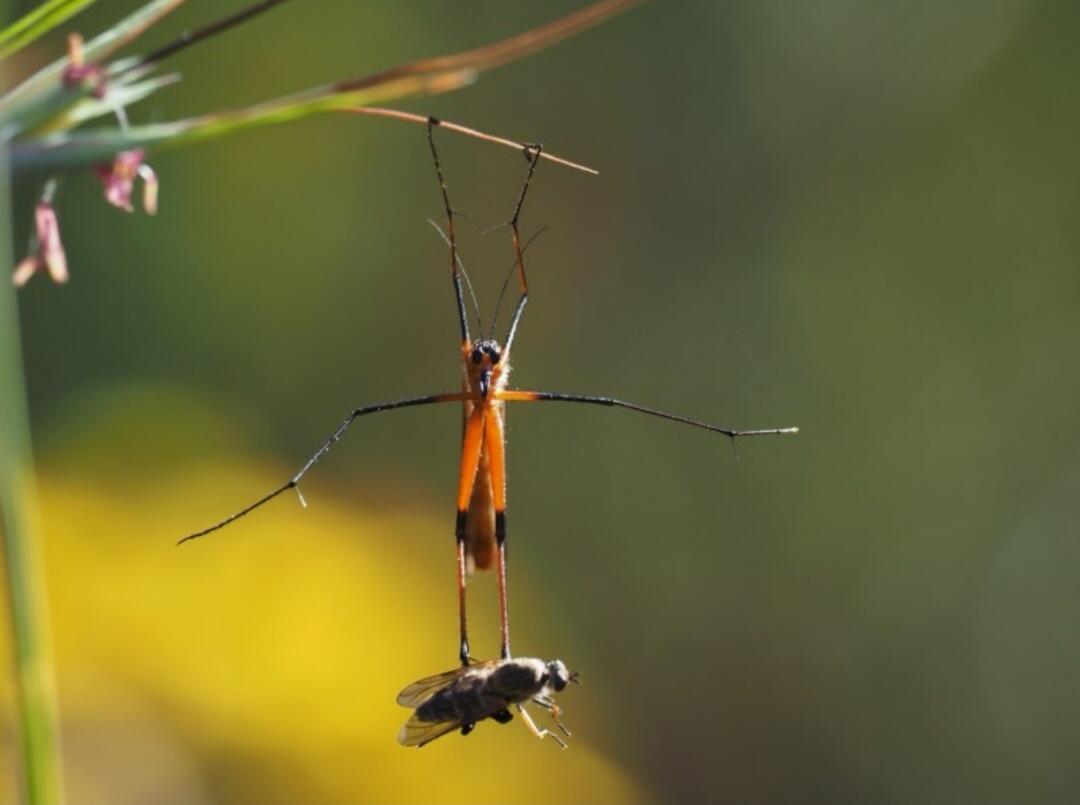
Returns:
(488, 56)
(396, 114)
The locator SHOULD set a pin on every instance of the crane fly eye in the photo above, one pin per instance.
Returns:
(477, 356)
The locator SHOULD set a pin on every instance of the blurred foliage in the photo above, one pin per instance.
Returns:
(857, 218)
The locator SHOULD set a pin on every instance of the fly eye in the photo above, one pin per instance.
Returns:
(477, 356)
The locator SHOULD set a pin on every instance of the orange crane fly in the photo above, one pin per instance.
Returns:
(480, 521)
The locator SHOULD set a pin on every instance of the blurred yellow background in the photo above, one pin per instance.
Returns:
(857, 218)
(267, 669)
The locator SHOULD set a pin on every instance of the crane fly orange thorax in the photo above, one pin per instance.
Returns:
(487, 368)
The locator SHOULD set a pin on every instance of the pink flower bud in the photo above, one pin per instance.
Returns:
(48, 249)
(150, 189)
(119, 180)
(49, 245)
(79, 73)
(25, 270)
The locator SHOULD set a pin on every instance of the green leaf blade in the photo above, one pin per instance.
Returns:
(38, 22)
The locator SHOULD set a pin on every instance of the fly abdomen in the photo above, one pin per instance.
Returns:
(463, 704)
(469, 705)
(439, 707)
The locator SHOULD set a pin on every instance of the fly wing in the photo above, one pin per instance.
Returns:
(416, 732)
(423, 689)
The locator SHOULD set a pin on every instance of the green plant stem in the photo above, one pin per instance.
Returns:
(97, 50)
(38, 734)
(68, 151)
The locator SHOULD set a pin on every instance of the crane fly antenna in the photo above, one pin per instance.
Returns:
(461, 268)
(509, 274)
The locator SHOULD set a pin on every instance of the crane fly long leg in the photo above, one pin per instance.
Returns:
(471, 444)
(551, 396)
(337, 434)
(495, 448)
(533, 153)
(455, 270)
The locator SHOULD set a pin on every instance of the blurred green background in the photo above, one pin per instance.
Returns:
(857, 218)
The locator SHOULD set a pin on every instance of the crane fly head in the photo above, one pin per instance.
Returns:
(485, 353)
(482, 360)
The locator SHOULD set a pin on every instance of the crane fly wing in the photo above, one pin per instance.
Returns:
(416, 732)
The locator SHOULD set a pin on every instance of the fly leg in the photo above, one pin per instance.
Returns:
(539, 732)
(549, 704)
(502, 716)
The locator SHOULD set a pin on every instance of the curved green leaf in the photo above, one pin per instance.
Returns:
(37, 23)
